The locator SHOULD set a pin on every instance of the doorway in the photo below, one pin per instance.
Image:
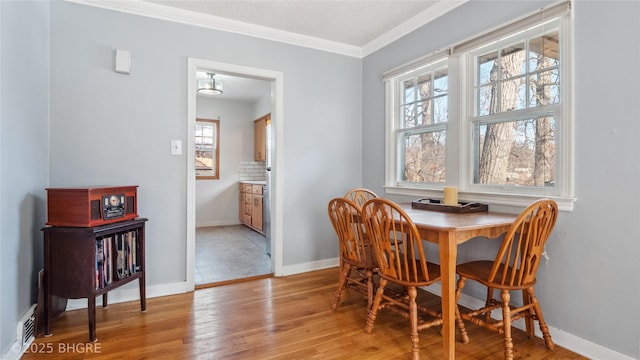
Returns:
(274, 79)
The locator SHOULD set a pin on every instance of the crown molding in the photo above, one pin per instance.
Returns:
(426, 16)
(167, 13)
(161, 12)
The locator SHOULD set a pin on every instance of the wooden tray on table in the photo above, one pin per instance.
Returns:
(437, 205)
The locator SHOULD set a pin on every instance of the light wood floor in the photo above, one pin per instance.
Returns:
(273, 318)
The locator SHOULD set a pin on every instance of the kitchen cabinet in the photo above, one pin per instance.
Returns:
(251, 198)
(256, 211)
(245, 196)
(260, 137)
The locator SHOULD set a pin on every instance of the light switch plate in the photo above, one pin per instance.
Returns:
(123, 61)
(176, 147)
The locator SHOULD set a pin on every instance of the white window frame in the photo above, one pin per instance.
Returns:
(398, 129)
(459, 151)
(214, 173)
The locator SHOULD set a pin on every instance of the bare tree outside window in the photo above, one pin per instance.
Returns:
(424, 116)
(518, 148)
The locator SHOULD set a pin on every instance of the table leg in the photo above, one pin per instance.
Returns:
(448, 252)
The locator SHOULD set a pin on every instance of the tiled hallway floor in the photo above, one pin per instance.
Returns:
(229, 252)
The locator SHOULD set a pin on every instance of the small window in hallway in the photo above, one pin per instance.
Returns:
(207, 149)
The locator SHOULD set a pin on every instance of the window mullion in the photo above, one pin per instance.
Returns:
(424, 129)
(499, 82)
(455, 133)
(533, 112)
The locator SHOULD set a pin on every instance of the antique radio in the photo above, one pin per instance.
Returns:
(91, 206)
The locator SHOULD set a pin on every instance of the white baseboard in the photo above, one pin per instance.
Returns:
(16, 351)
(132, 294)
(310, 266)
(560, 337)
(217, 223)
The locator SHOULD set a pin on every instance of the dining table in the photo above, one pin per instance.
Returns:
(448, 230)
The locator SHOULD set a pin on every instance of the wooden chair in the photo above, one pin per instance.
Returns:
(514, 268)
(357, 260)
(401, 260)
(360, 195)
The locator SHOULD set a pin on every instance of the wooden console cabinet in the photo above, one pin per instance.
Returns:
(86, 262)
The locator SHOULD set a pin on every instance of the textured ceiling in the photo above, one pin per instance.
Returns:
(352, 22)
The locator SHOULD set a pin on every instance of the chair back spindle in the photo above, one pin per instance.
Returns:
(396, 242)
(346, 219)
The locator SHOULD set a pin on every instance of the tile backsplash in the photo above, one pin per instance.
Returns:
(252, 171)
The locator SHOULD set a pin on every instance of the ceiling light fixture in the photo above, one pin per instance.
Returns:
(210, 86)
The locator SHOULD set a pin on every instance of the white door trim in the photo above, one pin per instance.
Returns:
(276, 79)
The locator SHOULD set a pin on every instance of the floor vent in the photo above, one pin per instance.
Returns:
(27, 326)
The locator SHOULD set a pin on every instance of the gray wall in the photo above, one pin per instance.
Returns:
(589, 286)
(24, 163)
(110, 128)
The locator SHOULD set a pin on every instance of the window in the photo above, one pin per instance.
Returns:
(207, 136)
(422, 115)
(504, 134)
(516, 85)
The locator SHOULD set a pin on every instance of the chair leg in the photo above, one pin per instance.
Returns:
(543, 325)
(530, 313)
(346, 270)
(369, 275)
(487, 315)
(464, 337)
(413, 317)
(371, 318)
(506, 318)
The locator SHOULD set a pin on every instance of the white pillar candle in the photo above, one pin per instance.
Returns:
(450, 195)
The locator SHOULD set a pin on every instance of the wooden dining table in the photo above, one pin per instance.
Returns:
(448, 230)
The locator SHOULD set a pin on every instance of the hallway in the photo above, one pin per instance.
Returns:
(225, 253)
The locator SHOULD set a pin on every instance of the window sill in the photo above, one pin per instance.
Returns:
(515, 200)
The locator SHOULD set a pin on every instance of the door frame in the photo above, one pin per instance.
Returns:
(276, 79)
